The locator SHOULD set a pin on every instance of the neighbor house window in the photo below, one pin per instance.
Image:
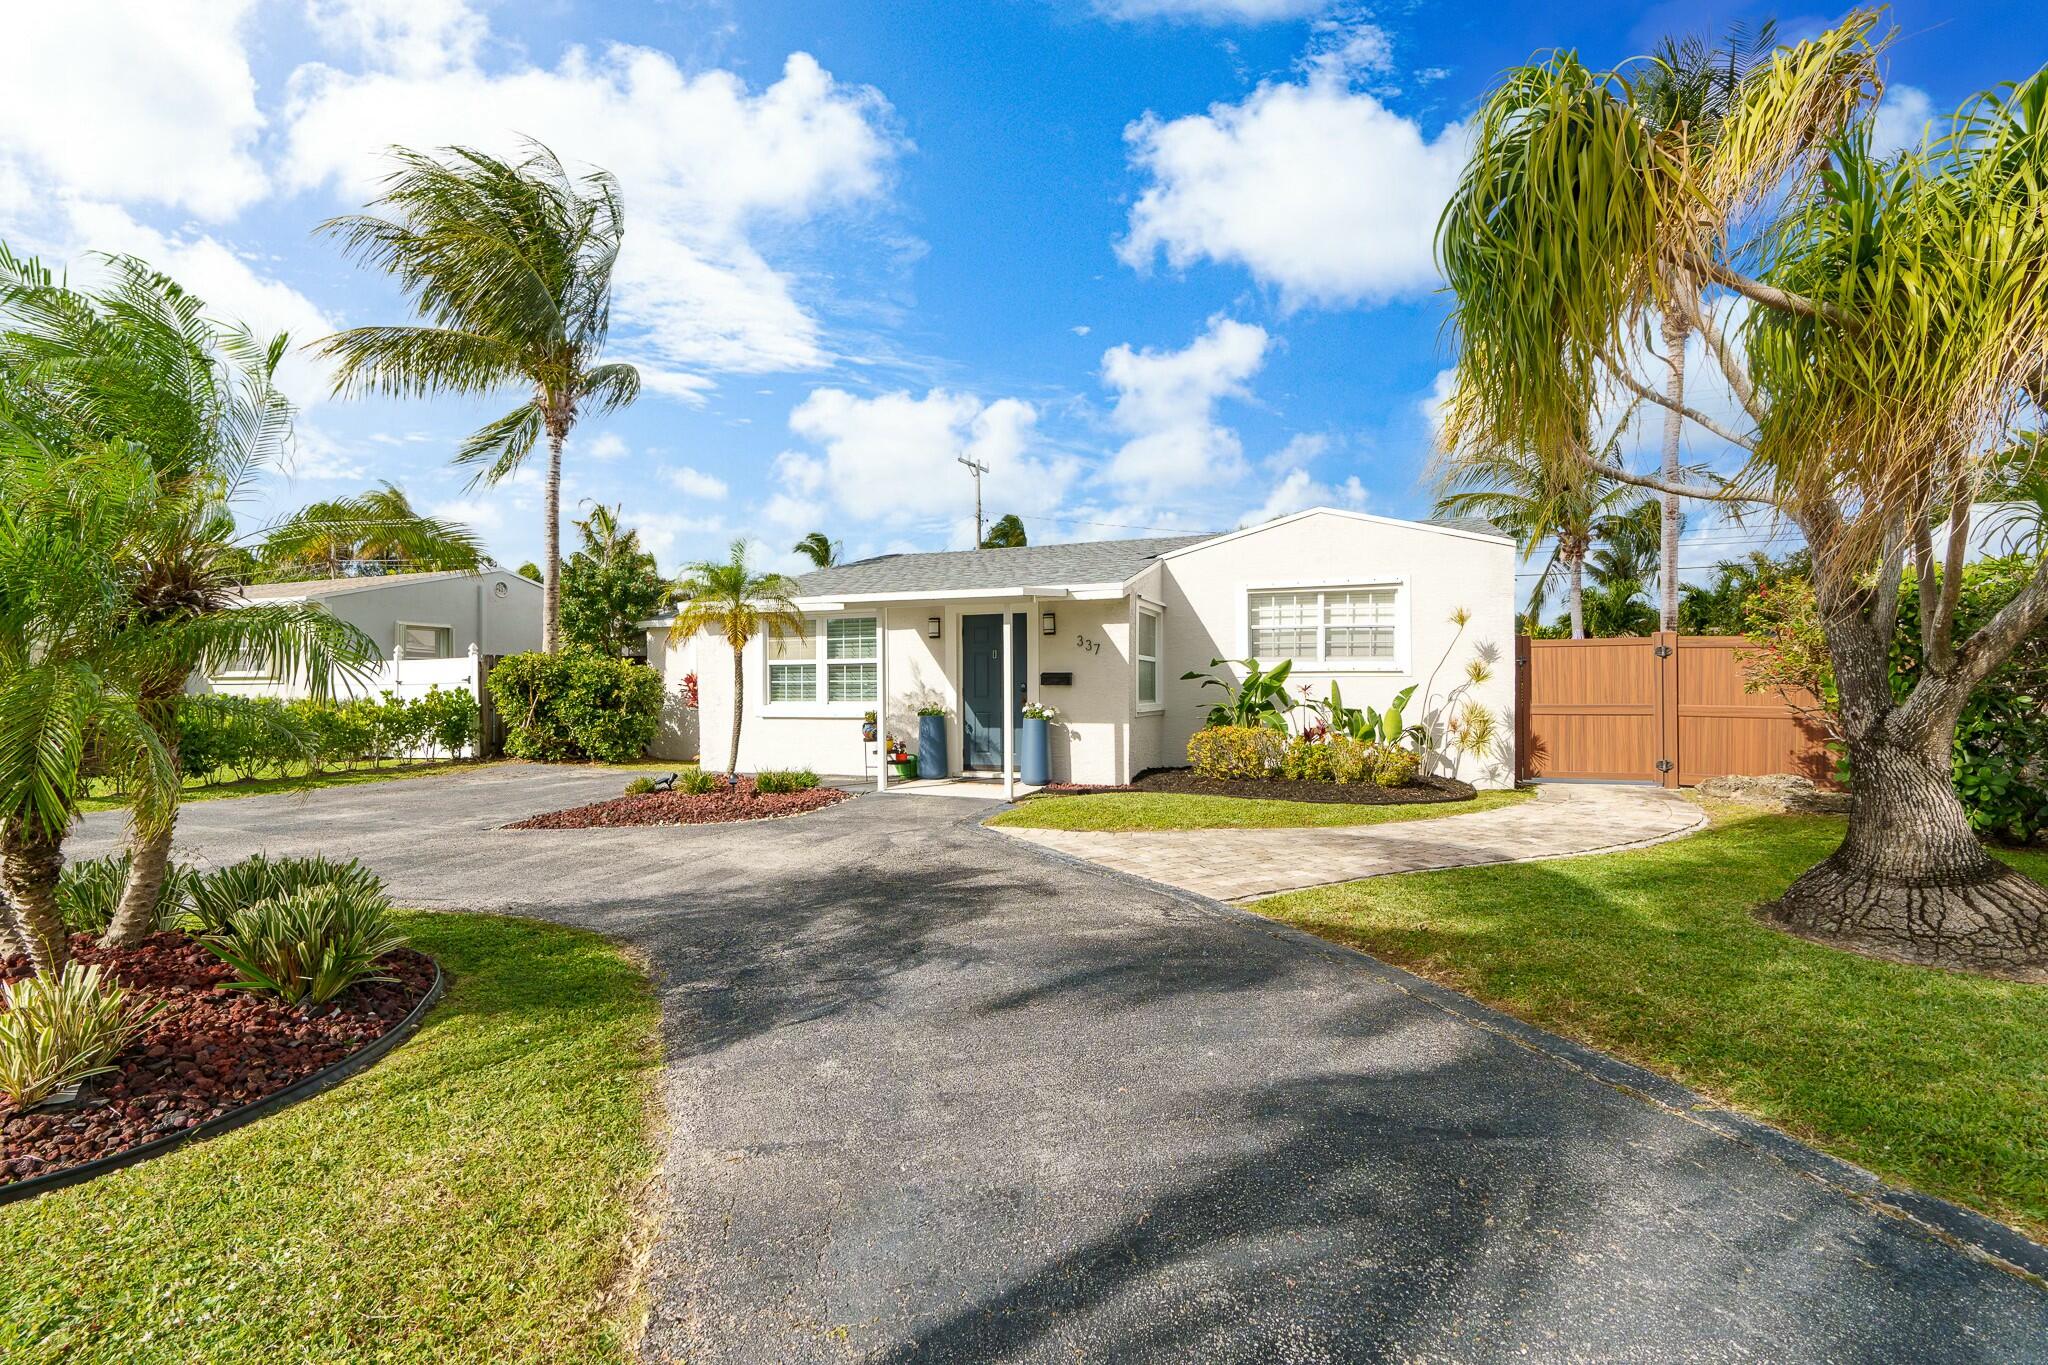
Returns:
(1353, 626)
(425, 642)
(245, 663)
(836, 660)
(1148, 657)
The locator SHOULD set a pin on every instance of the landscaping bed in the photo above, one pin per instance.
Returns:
(728, 806)
(213, 1049)
(1421, 791)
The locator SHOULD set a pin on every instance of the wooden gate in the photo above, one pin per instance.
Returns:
(1660, 708)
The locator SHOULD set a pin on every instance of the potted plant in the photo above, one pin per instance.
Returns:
(901, 764)
(931, 740)
(1034, 754)
(867, 728)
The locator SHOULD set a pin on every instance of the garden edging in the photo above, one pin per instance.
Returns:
(358, 1061)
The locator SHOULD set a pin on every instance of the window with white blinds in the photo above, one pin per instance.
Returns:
(425, 642)
(835, 660)
(1356, 627)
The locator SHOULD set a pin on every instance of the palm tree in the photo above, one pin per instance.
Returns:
(1535, 502)
(1006, 534)
(510, 268)
(1890, 353)
(819, 548)
(1684, 97)
(729, 598)
(70, 648)
(136, 364)
(373, 532)
(609, 586)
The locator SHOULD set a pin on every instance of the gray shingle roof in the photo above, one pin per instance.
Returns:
(330, 587)
(1093, 561)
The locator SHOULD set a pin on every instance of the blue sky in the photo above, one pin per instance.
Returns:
(1163, 264)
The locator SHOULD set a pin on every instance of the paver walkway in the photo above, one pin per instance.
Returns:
(933, 1095)
(1564, 820)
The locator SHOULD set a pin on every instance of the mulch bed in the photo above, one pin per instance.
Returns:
(213, 1050)
(1183, 782)
(681, 808)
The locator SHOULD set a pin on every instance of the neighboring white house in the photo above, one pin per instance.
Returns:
(430, 628)
(1104, 630)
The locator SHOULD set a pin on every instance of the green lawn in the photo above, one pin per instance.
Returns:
(1118, 812)
(469, 1198)
(1934, 1079)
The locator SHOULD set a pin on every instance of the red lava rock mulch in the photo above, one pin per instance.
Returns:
(681, 808)
(213, 1050)
(1182, 781)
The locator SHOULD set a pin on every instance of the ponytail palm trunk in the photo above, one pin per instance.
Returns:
(1889, 320)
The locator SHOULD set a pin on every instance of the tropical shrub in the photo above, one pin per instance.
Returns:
(696, 781)
(1366, 724)
(575, 705)
(776, 781)
(1261, 699)
(1338, 758)
(1393, 766)
(57, 1031)
(89, 888)
(1235, 752)
(214, 897)
(250, 736)
(308, 945)
(640, 786)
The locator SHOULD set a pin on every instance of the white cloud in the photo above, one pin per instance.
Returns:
(1081, 330)
(1433, 407)
(607, 445)
(147, 101)
(1211, 11)
(316, 456)
(703, 160)
(478, 514)
(1302, 449)
(1902, 120)
(1299, 491)
(695, 484)
(1346, 46)
(1166, 406)
(1318, 189)
(894, 455)
(417, 37)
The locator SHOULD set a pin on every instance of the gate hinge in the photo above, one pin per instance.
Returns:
(1663, 651)
(1664, 765)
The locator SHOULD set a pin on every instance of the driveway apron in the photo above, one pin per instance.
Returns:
(936, 1095)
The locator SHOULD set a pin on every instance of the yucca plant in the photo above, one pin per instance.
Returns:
(59, 1030)
(308, 946)
(90, 889)
(215, 896)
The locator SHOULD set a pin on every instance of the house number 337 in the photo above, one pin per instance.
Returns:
(1087, 645)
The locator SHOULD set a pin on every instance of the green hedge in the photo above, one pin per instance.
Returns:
(248, 736)
(575, 705)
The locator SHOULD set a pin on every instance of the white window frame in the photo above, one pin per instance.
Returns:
(398, 639)
(1158, 702)
(818, 703)
(264, 672)
(1320, 663)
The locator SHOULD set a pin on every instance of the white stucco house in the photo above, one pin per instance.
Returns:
(423, 624)
(1104, 630)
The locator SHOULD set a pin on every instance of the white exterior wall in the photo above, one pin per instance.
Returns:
(677, 736)
(1438, 570)
(1089, 745)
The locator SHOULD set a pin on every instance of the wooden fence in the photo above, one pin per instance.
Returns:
(1661, 708)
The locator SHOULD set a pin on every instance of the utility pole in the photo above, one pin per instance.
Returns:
(979, 469)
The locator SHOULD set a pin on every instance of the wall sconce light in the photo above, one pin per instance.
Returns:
(931, 628)
(1048, 625)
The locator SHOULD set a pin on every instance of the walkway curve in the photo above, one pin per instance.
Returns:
(1566, 820)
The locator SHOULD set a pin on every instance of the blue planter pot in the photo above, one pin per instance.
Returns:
(931, 746)
(1034, 755)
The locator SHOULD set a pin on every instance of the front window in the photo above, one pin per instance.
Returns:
(835, 660)
(425, 642)
(1352, 626)
(1148, 657)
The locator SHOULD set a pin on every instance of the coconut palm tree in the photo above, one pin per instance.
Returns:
(1896, 319)
(1535, 502)
(1006, 533)
(729, 599)
(819, 548)
(135, 363)
(376, 532)
(509, 266)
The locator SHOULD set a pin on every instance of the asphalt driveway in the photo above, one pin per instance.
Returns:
(938, 1095)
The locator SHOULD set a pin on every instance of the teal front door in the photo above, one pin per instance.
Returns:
(981, 685)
